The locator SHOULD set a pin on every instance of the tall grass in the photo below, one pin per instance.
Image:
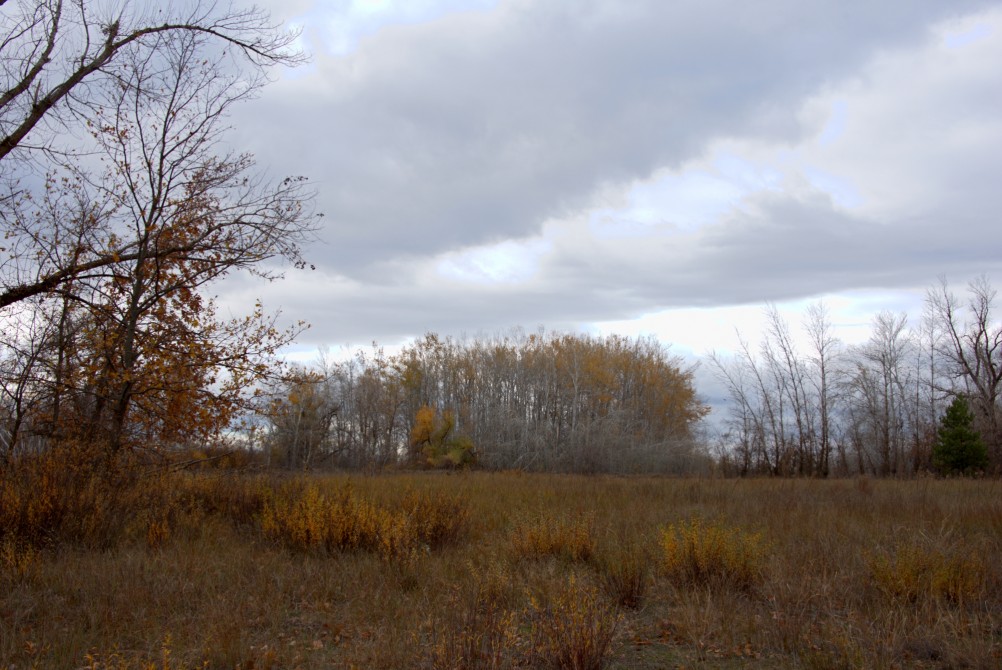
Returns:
(477, 570)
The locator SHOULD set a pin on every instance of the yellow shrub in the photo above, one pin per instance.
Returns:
(570, 539)
(914, 570)
(345, 522)
(698, 553)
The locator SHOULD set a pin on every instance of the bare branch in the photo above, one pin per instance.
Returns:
(249, 31)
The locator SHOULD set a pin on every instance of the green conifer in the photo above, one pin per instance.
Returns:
(958, 448)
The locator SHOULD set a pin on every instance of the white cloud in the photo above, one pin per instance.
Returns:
(508, 262)
(337, 28)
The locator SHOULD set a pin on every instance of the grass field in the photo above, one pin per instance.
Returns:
(478, 570)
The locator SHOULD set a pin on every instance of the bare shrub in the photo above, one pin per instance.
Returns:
(573, 629)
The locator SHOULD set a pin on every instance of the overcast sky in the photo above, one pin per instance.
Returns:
(635, 166)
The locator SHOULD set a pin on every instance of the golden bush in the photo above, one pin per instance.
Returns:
(567, 538)
(343, 521)
(695, 552)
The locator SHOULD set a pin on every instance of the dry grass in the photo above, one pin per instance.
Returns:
(481, 570)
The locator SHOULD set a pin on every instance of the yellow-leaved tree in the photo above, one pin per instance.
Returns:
(433, 442)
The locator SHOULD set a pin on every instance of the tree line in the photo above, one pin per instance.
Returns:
(874, 408)
(540, 401)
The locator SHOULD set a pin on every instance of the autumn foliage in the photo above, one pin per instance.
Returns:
(434, 443)
(110, 340)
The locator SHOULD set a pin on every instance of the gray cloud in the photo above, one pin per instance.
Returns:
(481, 127)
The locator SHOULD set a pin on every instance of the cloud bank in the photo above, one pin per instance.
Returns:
(482, 165)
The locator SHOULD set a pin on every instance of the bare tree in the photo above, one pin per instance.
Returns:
(792, 376)
(879, 393)
(783, 403)
(747, 422)
(825, 352)
(756, 387)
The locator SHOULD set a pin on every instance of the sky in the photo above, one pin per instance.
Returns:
(640, 168)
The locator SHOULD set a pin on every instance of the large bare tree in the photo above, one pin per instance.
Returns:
(112, 233)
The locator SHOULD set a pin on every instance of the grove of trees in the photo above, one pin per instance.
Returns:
(536, 402)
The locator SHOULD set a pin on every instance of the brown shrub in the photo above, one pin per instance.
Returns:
(915, 570)
(436, 519)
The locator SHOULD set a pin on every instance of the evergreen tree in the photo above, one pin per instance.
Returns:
(958, 447)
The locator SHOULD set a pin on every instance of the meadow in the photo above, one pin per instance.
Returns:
(499, 570)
